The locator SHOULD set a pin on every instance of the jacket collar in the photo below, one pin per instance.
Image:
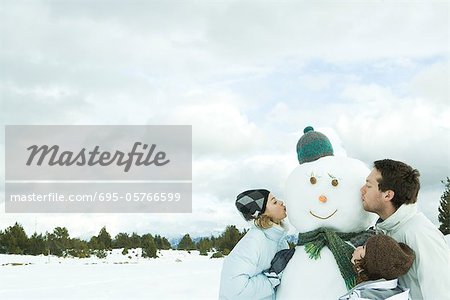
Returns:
(379, 284)
(275, 233)
(397, 219)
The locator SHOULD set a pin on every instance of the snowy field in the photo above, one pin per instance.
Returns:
(174, 275)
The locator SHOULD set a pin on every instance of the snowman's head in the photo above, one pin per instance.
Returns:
(326, 193)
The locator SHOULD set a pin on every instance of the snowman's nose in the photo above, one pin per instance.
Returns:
(323, 198)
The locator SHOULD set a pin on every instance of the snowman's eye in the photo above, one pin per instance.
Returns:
(334, 182)
(313, 180)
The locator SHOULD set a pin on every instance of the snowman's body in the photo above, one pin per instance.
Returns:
(322, 193)
(310, 279)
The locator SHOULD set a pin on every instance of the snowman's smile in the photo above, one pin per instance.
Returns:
(320, 217)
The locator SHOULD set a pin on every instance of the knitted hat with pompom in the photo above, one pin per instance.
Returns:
(312, 146)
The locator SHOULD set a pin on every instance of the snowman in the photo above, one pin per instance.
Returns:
(324, 205)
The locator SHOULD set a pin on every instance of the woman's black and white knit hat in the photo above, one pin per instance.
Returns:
(252, 203)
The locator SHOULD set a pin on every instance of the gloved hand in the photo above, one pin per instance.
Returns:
(277, 266)
(280, 260)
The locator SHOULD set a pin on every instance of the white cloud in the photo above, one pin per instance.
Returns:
(433, 84)
(219, 128)
(389, 126)
(316, 82)
(206, 38)
(248, 75)
(334, 31)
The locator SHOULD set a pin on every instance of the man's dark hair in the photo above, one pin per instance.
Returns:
(400, 178)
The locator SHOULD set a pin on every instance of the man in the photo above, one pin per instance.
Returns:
(391, 191)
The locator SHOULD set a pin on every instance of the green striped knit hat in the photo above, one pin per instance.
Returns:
(312, 146)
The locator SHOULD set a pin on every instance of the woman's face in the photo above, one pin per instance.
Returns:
(359, 253)
(275, 209)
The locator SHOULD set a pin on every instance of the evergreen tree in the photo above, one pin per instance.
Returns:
(229, 239)
(37, 244)
(158, 241)
(214, 242)
(58, 241)
(162, 243)
(15, 240)
(51, 244)
(62, 236)
(78, 248)
(135, 240)
(204, 245)
(186, 243)
(165, 244)
(61, 233)
(122, 240)
(148, 246)
(2, 242)
(444, 209)
(104, 240)
(93, 243)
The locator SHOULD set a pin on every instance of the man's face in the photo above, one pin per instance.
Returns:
(371, 196)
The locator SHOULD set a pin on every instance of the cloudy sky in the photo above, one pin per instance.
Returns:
(247, 75)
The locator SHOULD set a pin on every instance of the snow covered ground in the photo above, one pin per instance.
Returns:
(174, 275)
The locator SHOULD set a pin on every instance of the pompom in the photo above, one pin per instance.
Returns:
(307, 129)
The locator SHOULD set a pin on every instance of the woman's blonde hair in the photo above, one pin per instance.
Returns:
(264, 221)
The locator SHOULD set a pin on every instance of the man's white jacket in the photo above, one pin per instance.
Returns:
(429, 276)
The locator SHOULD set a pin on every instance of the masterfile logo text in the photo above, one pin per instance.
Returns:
(91, 158)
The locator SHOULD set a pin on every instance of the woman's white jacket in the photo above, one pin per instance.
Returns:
(242, 276)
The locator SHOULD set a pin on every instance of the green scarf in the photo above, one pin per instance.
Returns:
(315, 240)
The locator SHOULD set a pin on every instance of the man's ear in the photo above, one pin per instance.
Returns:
(388, 195)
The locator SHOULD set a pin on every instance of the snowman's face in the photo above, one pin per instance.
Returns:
(326, 193)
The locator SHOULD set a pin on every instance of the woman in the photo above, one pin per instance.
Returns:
(378, 264)
(242, 274)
